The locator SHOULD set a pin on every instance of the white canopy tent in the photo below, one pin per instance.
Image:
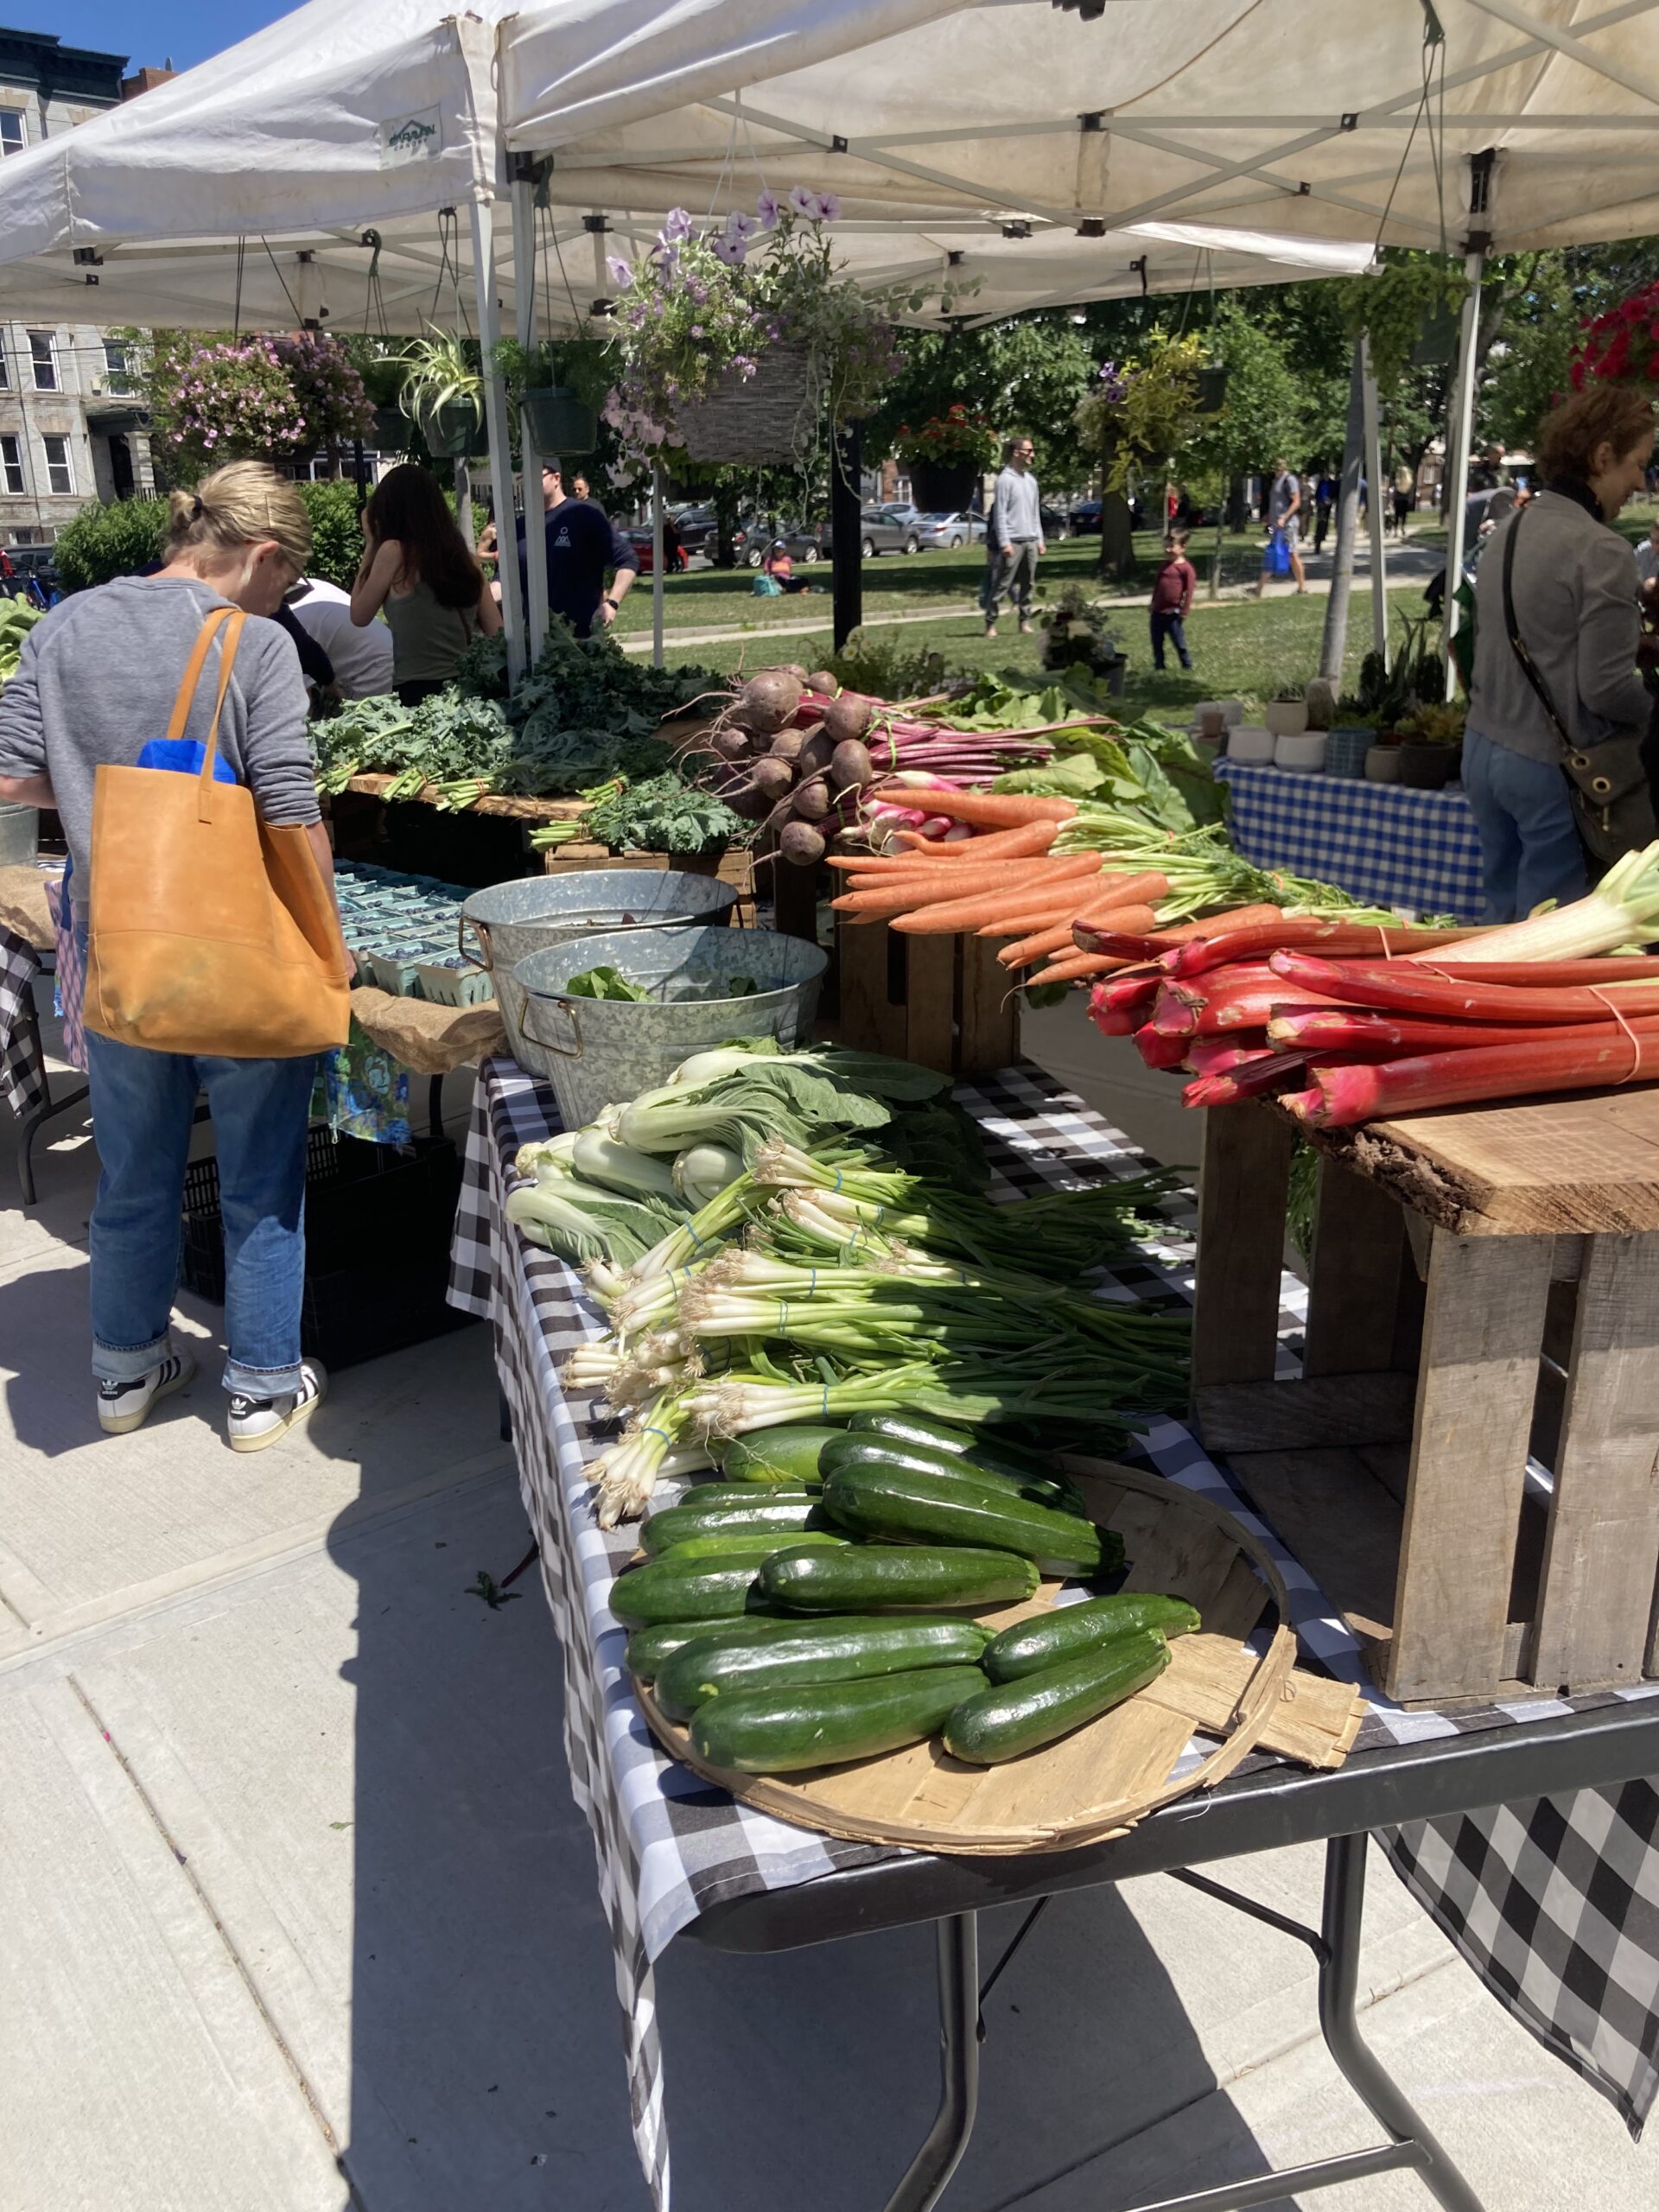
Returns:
(1108, 112)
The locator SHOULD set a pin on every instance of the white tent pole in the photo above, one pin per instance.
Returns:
(657, 564)
(495, 417)
(1377, 509)
(1462, 431)
(523, 285)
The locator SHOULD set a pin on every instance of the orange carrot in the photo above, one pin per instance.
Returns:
(1057, 937)
(983, 810)
(977, 888)
(1007, 915)
(1078, 968)
(1061, 903)
(995, 844)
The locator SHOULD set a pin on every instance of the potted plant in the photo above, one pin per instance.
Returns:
(1353, 732)
(946, 457)
(1285, 713)
(1075, 632)
(1431, 747)
(556, 390)
(1383, 760)
(741, 343)
(383, 383)
(443, 394)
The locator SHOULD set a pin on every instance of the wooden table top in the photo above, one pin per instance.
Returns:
(1562, 1166)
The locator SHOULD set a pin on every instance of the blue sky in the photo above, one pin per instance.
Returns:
(185, 29)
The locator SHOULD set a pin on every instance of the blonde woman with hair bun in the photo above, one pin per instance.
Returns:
(96, 685)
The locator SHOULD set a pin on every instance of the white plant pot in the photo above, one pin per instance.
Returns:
(1286, 717)
(1383, 764)
(1232, 712)
(1250, 742)
(1304, 751)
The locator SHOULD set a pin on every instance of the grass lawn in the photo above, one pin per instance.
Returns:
(1240, 649)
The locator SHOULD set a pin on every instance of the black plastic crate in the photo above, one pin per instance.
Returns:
(377, 1224)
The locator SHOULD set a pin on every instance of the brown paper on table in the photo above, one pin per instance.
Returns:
(23, 910)
(426, 1037)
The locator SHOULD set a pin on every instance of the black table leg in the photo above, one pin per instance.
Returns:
(934, 2164)
(1344, 1905)
(435, 1106)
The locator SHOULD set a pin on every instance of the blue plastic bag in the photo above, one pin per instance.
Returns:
(1278, 554)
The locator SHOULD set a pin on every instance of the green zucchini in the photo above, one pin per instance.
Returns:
(757, 1544)
(1017, 1717)
(842, 1651)
(991, 1453)
(898, 1502)
(782, 1455)
(820, 1723)
(867, 1578)
(867, 1451)
(693, 1589)
(713, 1506)
(649, 1649)
(1069, 1631)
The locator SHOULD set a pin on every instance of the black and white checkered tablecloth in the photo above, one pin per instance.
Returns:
(22, 1071)
(1555, 1901)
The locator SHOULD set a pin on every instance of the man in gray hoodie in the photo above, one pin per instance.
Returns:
(1015, 534)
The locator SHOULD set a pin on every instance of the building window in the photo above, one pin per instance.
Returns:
(12, 139)
(11, 465)
(44, 352)
(59, 475)
(117, 376)
(5, 365)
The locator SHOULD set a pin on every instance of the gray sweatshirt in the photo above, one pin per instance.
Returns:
(1016, 511)
(1576, 612)
(97, 681)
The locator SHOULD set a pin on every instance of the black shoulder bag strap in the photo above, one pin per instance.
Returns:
(1517, 645)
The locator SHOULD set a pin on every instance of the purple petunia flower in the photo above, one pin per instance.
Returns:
(805, 203)
(677, 227)
(741, 226)
(766, 208)
(829, 207)
(731, 251)
(617, 269)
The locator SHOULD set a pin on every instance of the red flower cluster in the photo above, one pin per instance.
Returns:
(1622, 345)
(957, 434)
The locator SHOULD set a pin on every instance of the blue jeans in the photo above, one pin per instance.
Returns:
(143, 1105)
(1530, 848)
(1166, 624)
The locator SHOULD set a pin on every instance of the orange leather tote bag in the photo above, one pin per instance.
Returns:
(212, 931)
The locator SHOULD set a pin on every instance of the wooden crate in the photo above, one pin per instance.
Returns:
(1485, 1286)
(942, 1001)
(735, 866)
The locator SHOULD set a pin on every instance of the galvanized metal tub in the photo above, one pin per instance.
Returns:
(506, 923)
(597, 1052)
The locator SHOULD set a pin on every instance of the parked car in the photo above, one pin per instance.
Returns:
(1055, 524)
(889, 529)
(644, 544)
(1085, 519)
(945, 532)
(34, 574)
(700, 533)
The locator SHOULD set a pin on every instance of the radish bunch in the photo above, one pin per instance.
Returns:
(799, 753)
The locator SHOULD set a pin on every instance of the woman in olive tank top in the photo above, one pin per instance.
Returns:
(417, 566)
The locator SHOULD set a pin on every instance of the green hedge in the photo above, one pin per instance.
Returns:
(103, 541)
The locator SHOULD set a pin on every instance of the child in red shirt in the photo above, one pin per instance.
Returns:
(1172, 596)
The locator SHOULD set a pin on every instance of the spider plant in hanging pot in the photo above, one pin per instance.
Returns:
(556, 391)
(443, 394)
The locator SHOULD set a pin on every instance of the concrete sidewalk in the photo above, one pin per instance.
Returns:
(296, 1913)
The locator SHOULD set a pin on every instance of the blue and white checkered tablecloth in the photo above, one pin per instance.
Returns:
(1377, 842)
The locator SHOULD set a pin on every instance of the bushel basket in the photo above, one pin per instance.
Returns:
(765, 417)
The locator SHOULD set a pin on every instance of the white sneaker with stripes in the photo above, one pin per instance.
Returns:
(123, 1407)
(256, 1422)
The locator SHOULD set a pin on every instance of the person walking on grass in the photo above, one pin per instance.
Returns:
(1284, 524)
(1172, 599)
(1016, 533)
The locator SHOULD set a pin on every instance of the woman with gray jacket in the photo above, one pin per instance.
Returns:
(1576, 613)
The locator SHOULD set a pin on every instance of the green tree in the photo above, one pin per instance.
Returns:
(1263, 415)
(1026, 374)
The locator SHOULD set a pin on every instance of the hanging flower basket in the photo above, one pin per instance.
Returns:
(560, 423)
(452, 430)
(390, 432)
(768, 416)
(1211, 395)
(1439, 341)
(942, 487)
